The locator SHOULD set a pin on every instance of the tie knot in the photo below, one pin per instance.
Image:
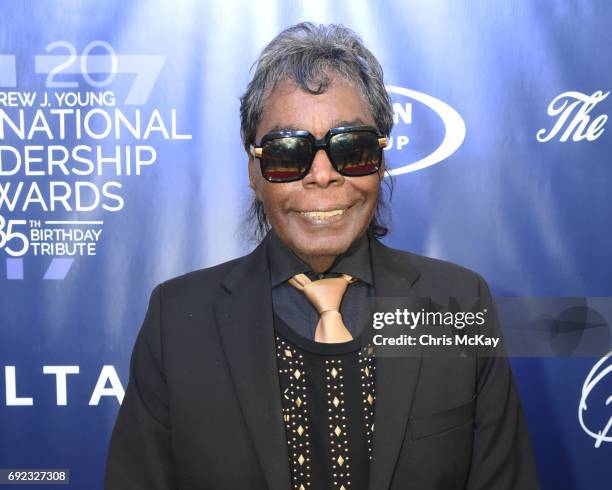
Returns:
(325, 294)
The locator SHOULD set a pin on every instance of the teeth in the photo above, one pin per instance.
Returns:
(322, 214)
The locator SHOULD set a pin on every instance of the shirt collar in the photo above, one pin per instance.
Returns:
(284, 263)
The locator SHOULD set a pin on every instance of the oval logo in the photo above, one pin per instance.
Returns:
(453, 129)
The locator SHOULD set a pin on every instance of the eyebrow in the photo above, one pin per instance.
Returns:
(336, 124)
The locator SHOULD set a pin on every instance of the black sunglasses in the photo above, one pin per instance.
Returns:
(285, 156)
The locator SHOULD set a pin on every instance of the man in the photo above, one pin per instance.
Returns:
(261, 373)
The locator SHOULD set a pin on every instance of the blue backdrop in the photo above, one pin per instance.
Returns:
(121, 166)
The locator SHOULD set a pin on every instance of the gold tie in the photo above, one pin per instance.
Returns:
(326, 296)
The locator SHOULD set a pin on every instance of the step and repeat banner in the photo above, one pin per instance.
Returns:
(121, 166)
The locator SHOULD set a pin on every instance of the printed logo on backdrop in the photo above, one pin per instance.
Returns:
(594, 411)
(68, 147)
(438, 130)
(576, 116)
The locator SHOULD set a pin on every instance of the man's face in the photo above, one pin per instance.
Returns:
(319, 216)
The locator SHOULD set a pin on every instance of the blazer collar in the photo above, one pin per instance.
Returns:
(284, 263)
(245, 323)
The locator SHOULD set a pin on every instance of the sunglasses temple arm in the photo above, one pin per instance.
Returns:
(256, 151)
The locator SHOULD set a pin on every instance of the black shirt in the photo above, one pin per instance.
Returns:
(294, 307)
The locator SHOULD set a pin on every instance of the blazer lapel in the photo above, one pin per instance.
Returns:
(396, 377)
(244, 319)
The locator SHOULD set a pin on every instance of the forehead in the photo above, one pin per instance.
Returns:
(289, 107)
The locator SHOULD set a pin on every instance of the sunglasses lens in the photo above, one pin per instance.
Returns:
(286, 159)
(356, 153)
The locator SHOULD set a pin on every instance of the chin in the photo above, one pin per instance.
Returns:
(321, 246)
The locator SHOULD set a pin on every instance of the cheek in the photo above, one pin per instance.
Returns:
(275, 199)
(369, 191)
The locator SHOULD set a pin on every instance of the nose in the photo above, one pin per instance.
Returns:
(322, 173)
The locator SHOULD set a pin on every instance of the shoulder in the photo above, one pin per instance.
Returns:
(196, 285)
(435, 274)
(204, 287)
(442, 269)
(198, 277)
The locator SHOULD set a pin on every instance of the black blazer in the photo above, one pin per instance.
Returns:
(202, 409)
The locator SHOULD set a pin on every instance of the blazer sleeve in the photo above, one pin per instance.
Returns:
(502, 456)
(140, 455)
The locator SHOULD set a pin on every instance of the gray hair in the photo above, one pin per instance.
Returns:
(306, 54)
